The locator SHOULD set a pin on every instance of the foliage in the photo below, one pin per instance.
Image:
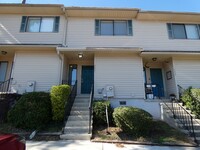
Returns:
(99, 112)
(32, 111)
(59, 96)
(191, 98)
(133, 120)
(161, 133)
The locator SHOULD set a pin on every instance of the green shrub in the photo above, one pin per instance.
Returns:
(32, 111)
(191, 98)
(133, 120)
(59, 96)
(99, 112)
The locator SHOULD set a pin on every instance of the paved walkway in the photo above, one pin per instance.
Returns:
(87, 145)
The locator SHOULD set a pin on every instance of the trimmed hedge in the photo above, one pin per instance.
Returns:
(191, 98)
(133, 120)
(99, 112)
(32, 111)
(59, 96)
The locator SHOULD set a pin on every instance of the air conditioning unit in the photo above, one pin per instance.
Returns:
(110, 91)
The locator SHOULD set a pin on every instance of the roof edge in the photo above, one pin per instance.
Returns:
(30, 5)
(101, 8)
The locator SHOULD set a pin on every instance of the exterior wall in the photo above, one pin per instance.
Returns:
(170, 83)
(151, 106)
(9, 59)
(187, 71)
(42, 67)
(149, 35)
(10, 32)
(123, 71)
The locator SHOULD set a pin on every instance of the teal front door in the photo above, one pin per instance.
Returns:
(87, 79)
(157, 79)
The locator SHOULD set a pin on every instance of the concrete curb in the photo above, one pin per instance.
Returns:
(144, 143)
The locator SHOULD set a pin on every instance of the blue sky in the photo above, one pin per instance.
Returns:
(163, 5)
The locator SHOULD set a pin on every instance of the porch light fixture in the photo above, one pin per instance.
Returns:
(80, 55)
(3, 52)
(154, 58)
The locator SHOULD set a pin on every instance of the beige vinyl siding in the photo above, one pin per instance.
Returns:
(187, 71)
(10, 32)
(170, 83)
(149, 35)
(123, 71)
(42, 67)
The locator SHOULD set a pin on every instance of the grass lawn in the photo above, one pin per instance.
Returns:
(162, 133)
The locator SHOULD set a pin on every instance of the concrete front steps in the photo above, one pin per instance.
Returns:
(178, 122)
(77, 125)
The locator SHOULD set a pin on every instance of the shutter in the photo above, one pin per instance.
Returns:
(130, 28)
(170, 30)
(97, 27)
(56, 26)
(23, 24)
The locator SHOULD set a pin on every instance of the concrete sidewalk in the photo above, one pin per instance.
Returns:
(87, 145)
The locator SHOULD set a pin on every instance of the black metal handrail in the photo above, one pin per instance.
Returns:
(4, 86)
(184, 117)
(69, 103)
(180, 91)
(90, 109)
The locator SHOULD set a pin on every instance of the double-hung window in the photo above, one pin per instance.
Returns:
(113, 27)
(39, 24)
(183, 31)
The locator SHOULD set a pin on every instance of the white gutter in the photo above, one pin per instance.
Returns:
(65, 28)
(61, 57)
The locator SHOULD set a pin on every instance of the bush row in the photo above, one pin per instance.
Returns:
(99, 112)
(59, 96)
(34, 110)
(191, 98)
(130, 119)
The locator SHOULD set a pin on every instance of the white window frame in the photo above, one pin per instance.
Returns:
(40, 24)
(171, 31)
(129, 30)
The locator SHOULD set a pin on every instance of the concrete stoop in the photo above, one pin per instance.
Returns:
(77, 125)
(178, 123)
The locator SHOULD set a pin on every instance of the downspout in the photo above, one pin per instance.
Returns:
(64, 43)
(65, 28)
(60, 56)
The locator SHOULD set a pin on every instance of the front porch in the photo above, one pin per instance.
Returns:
(159, 76)
(78, 66)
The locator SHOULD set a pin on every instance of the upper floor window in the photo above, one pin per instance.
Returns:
(113, 27)
(39, 24)
(183, 31)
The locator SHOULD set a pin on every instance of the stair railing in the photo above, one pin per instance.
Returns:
(4, 86)
(90, 108)
(70, 101)
(180, 91)
(184, 117)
